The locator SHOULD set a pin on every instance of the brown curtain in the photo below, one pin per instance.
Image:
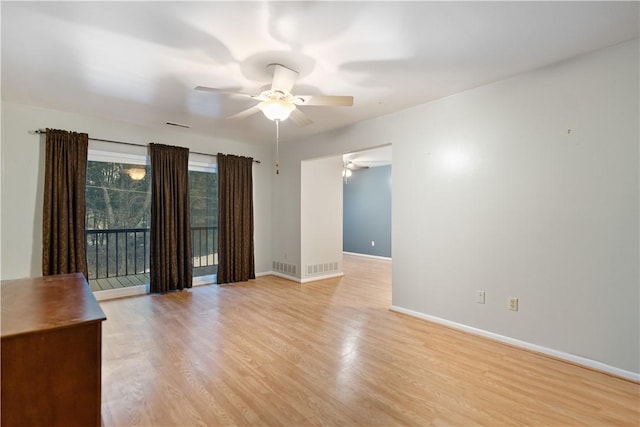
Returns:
(235, 219)
(63, 219)
(170, 240)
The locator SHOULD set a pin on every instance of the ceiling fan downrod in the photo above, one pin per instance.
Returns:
(277, 143)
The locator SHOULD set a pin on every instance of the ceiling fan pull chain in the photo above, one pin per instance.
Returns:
(277, 145)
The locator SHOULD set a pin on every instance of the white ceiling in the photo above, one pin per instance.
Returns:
(139, 61)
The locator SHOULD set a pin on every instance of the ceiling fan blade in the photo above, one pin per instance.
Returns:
(300, 118)
(226, 92)
(245, 113)
(283, 78)
(354, 167)
(338, 101)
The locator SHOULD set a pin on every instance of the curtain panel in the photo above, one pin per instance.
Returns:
(63, 220)
(235, 219)
(170, 239)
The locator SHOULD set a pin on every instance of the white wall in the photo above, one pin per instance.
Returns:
(528, 187)
(321, 218)
(22, 157)
(287, 189)
(285, 196)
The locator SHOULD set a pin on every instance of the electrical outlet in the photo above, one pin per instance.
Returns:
(480, 297)
(513, 303)
(373, 243)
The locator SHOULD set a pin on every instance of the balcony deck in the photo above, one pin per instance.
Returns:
(139, 279)
(118, 282)
(123, 254)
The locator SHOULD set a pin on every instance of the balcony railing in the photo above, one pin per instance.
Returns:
(124, 252)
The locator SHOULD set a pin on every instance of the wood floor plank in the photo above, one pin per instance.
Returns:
(277, 353)
(117, 282)
(137, 280)
(120, 282)
(104, 284)
(93, 284)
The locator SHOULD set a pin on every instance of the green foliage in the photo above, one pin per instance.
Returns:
(203, 193)
(114, 199)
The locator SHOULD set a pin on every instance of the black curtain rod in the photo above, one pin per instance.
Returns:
(43, 131)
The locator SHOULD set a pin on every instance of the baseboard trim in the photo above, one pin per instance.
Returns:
(323, 277)
(307, 279)
(284, 276)
(367, 256)
(567, 357)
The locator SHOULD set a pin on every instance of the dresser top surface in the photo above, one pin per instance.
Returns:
(46, 303)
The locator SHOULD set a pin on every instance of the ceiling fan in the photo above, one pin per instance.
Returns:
(349, 167)
(353, 166)
(277, 102)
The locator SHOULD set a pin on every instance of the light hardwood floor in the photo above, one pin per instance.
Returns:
(273, 352)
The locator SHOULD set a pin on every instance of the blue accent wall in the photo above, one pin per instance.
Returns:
(367, 212)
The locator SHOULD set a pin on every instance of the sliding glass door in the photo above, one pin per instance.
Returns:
(118, 219)
(203, 193)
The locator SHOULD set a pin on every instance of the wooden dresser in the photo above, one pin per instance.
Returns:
(51, 352)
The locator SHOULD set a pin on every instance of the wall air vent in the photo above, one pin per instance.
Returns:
(283, 267)
(321, 268)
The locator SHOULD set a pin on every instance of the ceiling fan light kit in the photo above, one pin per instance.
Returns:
(276, 109)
